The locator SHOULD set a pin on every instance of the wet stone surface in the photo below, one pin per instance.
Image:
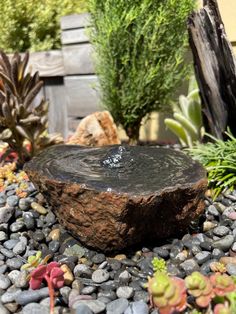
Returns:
(116, 191)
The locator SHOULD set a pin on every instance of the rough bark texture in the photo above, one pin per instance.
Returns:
(110, 219)
(215, 68)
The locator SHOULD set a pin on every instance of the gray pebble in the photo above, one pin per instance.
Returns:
(14, 263)
(3, 236)
(224, 244)
(88, 290)
(221, 231)
(124, 277)
(4, 282)
(17, 226)
(212, 210)
(117, 306)
(83, 309)
(100, 275)
(19, 248)
(94, 305)
(83, 271)
(9, 244)
(34, 308)
(6, 213)
(28, 219)
(3, 269)
(54, 246)
(107, 294)
(138, 307)
(19, 278)
(231, 269)
(125, 292)
(98, 258)
(141, 296)
(7, 253)
(189, 266)
(202, 257)
(29, 296)
(65, 291)
(24, 204)
(10, 296)
(12, 200)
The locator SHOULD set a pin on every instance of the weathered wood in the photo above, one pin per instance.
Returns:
(48, 63)
(215, 68)
(78, 59)
(74, 36)
(56, 96)
(83, 95)
(75, 21)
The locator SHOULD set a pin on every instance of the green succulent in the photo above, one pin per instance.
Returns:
(34, 261)
(187, 117)
(22, 119)
(159, 265)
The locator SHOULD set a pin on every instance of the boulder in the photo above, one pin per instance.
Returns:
(116, 196)
(97, 129)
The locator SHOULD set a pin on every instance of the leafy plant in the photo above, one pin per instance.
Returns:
(219, 158)
(21, 119)
(139, 55)
(34, 25)
(54, 277)
(187, 122)
(214, 294)
(159, 265)
(34, 261)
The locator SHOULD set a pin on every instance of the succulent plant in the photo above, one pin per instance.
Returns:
(200, 287)
(222, 284)
(23, 122)
(222, 309)
(34, 261)
(159, 265)
(218, 267)
(187, 122)
(168, 294)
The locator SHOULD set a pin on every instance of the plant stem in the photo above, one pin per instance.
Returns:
(51, 293)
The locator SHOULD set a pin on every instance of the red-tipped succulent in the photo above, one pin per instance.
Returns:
(200, 287)
(222, 284)
(52, 274)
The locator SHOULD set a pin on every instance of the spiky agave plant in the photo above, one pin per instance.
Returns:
(21, 120)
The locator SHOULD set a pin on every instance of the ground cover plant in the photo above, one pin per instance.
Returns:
(23, 122)
(219, 158)
(34, 25)
(139, 55)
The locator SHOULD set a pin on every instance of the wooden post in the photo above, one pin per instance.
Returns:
(215, 68)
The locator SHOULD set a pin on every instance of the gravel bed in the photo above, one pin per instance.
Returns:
(96, 283)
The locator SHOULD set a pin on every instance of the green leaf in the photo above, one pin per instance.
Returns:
(178, 130)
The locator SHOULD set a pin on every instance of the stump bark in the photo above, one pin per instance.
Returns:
(115, 196)
(215, 68)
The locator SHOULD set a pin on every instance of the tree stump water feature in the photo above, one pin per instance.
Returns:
(113, 197)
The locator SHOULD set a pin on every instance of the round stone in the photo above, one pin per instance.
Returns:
(125, 292)
(212, 210)
(12, 200)
(231, 269)
(3, 236)
(202, 257)
(100, 275)
(4, 282)
(17, 226)
(39, 208)
(224, 244)
(6, 213)
(98, 258)
(138, 307)
(117, 306)
(221, 231)
(83, 308)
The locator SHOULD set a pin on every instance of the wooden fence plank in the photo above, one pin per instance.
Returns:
(48, 63)
(78, 59)
(74, 36)
(56, 95)
(75, 21)
(83, 95)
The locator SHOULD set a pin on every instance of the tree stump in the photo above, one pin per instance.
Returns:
(215, 68)
(116, 196)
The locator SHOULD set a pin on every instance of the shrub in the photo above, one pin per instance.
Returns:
(21, 118)
(219, 158)
(139, 52)
(33, 25)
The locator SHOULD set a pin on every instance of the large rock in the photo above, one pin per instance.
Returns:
(113, 197)
(97, 129)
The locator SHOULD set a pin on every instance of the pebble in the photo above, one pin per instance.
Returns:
(138, 307)
(12, 201)
(54, 246)
(3, 310)
(221, 231)
(124, 277)
(6, 213)
(19, 248)
(54, 235)
(39, 208)
(3, 236)
(14, 263)
(189, 266)
(224, 244)
(68, 275)
(9, 244)
(212, 210)
(10, 296)
(202, 257)
(28, 219)
(17, 226)
(29, 296)
(83, 271)
(4, 282)
(94, 305)
(118, 306)
(24, 204)
(231, 269)
(19, 278)
(100, 275)
(88, 290)
(125, 292)
(83, 309)
(34, 308)
(98, 258)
